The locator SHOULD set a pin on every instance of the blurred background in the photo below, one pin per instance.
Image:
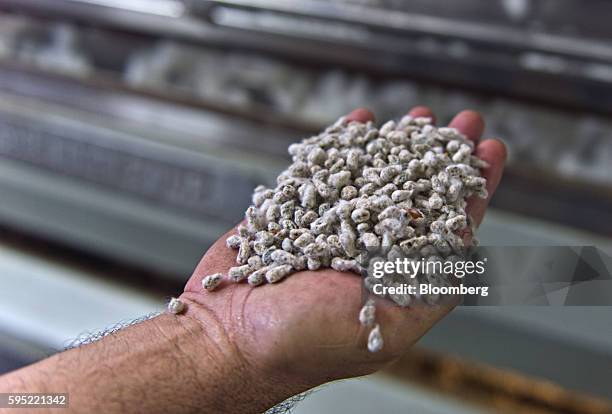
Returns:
(132, 133)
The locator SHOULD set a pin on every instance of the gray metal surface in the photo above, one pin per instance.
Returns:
(380, 395)
(566, 65)
(456, 26)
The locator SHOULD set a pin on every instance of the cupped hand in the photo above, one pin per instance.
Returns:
(304, 330)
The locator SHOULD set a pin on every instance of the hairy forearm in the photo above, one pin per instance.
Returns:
(166, 364)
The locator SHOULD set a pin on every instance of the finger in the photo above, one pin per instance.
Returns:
(422, 112)
(360, 115)
(494, 153)
(469, 123)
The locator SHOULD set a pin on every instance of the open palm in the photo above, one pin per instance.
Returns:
(306, 327)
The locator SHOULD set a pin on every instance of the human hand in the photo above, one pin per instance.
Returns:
(304, 331)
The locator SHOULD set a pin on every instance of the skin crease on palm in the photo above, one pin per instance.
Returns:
(305, 328)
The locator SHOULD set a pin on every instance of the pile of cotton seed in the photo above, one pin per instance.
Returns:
(355, 188)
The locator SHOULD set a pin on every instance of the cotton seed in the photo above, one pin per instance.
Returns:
(278, 273)
(239, 273)
(211, 282)
(375, 339)
(175, 306)
(233, 242)
(344, 265)
(401, 299)
(367, 314)
(258, 277)
(360, 215)
(244, 252)
(349, 192)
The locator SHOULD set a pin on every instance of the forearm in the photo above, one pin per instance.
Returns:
(167, 364)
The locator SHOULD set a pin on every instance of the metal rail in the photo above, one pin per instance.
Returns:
(406, 23)
(554, 69)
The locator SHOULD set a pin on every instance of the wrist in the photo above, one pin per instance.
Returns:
(242, 379)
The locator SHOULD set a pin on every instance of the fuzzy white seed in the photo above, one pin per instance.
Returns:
(255, 262)
(276, 274)
(401, 299)
(239, 273)
(344, 265)
(367, 314)
(360, 215)
(244, 252)
(258, 277)
(375, 339)
(211, 282)
(233, 242)
(340, 179)
(176, 306)
(313, 264)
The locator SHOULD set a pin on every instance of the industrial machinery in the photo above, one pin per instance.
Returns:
(135, 130)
